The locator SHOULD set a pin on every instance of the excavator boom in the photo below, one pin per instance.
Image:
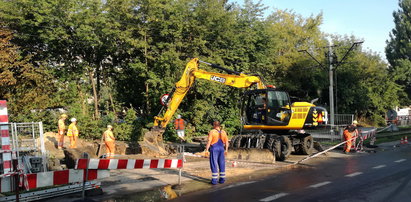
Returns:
(192, 72)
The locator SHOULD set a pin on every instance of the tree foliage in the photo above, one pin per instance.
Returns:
(24, 84)
(108, 62)
(398, 50)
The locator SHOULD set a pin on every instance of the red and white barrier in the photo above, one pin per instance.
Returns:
(368, 134)
(52, 178)
(129, 163)
(5, 138)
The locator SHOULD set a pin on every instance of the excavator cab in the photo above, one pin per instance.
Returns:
(266, 107)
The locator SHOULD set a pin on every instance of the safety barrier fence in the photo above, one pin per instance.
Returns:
(128, 163)
(52, 192)
(46, 179)
(5, 157)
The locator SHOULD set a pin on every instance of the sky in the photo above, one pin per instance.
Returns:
(368, 20)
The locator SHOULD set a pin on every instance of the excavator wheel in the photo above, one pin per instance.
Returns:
(269, 141)
(261, 140)
(297, 149)
(253, 141)
(285, 143)
(276, 148)
(245, 140)
(234, 140)
(307, 145)
(239, 143)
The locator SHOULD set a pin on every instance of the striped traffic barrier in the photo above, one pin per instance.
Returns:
(406, 140)
(5, 138)
(110, 164)
(52, 178)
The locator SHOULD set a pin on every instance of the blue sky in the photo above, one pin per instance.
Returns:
(370, 20)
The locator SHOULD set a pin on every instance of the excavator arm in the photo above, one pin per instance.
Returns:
(191, 73)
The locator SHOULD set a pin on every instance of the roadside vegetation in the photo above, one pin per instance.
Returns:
(110, 61)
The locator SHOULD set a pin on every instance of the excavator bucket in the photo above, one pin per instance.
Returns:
(153, 145)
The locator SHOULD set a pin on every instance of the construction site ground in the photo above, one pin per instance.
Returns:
(161, 184)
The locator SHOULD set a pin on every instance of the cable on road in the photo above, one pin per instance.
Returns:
(319, 153)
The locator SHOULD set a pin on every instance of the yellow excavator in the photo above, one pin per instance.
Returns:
(269, 119)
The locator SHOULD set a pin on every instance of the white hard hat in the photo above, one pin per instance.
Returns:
(355, 122)
(109, 126)
(73, 119)
(179, 116)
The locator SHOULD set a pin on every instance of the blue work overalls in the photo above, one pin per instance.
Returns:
(217, 159)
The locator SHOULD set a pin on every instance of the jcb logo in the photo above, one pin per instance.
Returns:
(218, 79)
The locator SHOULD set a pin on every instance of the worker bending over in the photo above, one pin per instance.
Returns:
(350, 132)
(61, 131)
(217, 140)
(109, 139)
(73, 132)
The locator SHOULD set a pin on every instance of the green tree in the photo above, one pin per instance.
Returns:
(25, 85)
(398, 50)
(364, 86)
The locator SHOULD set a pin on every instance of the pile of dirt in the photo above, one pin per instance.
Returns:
(58, 157)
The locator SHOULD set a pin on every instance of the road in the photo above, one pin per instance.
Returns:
(381, 176)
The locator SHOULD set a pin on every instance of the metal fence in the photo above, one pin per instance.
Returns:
(326, 134)
(332, 134)
(26, 139)
(342, 119)
(403, 120)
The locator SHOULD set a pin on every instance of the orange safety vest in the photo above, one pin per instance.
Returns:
(179, 124)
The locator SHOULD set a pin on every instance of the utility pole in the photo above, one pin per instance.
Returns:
(331, 73)
(331, 88)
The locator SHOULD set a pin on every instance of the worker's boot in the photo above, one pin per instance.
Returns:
(214, 181)
(221, 180)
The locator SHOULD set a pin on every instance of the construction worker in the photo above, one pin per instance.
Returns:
(350, 132)
(61, 131)
(217, 140)
(179, 125)
(109, 139)
(73, 132)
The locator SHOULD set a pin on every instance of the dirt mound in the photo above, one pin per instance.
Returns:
(153, 143)
(69, 156)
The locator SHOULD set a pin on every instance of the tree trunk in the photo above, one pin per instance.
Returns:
(83, 101)
(147, 100)
(112, 103)
(146, 84)
(93, 84)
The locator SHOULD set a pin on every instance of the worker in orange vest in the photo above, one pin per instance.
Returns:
(217, 146)
(109, 140)
(179, 125)
(61, 131)
(73, 133)
(350, 132)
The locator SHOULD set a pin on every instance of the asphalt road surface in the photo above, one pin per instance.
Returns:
(381, 176)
